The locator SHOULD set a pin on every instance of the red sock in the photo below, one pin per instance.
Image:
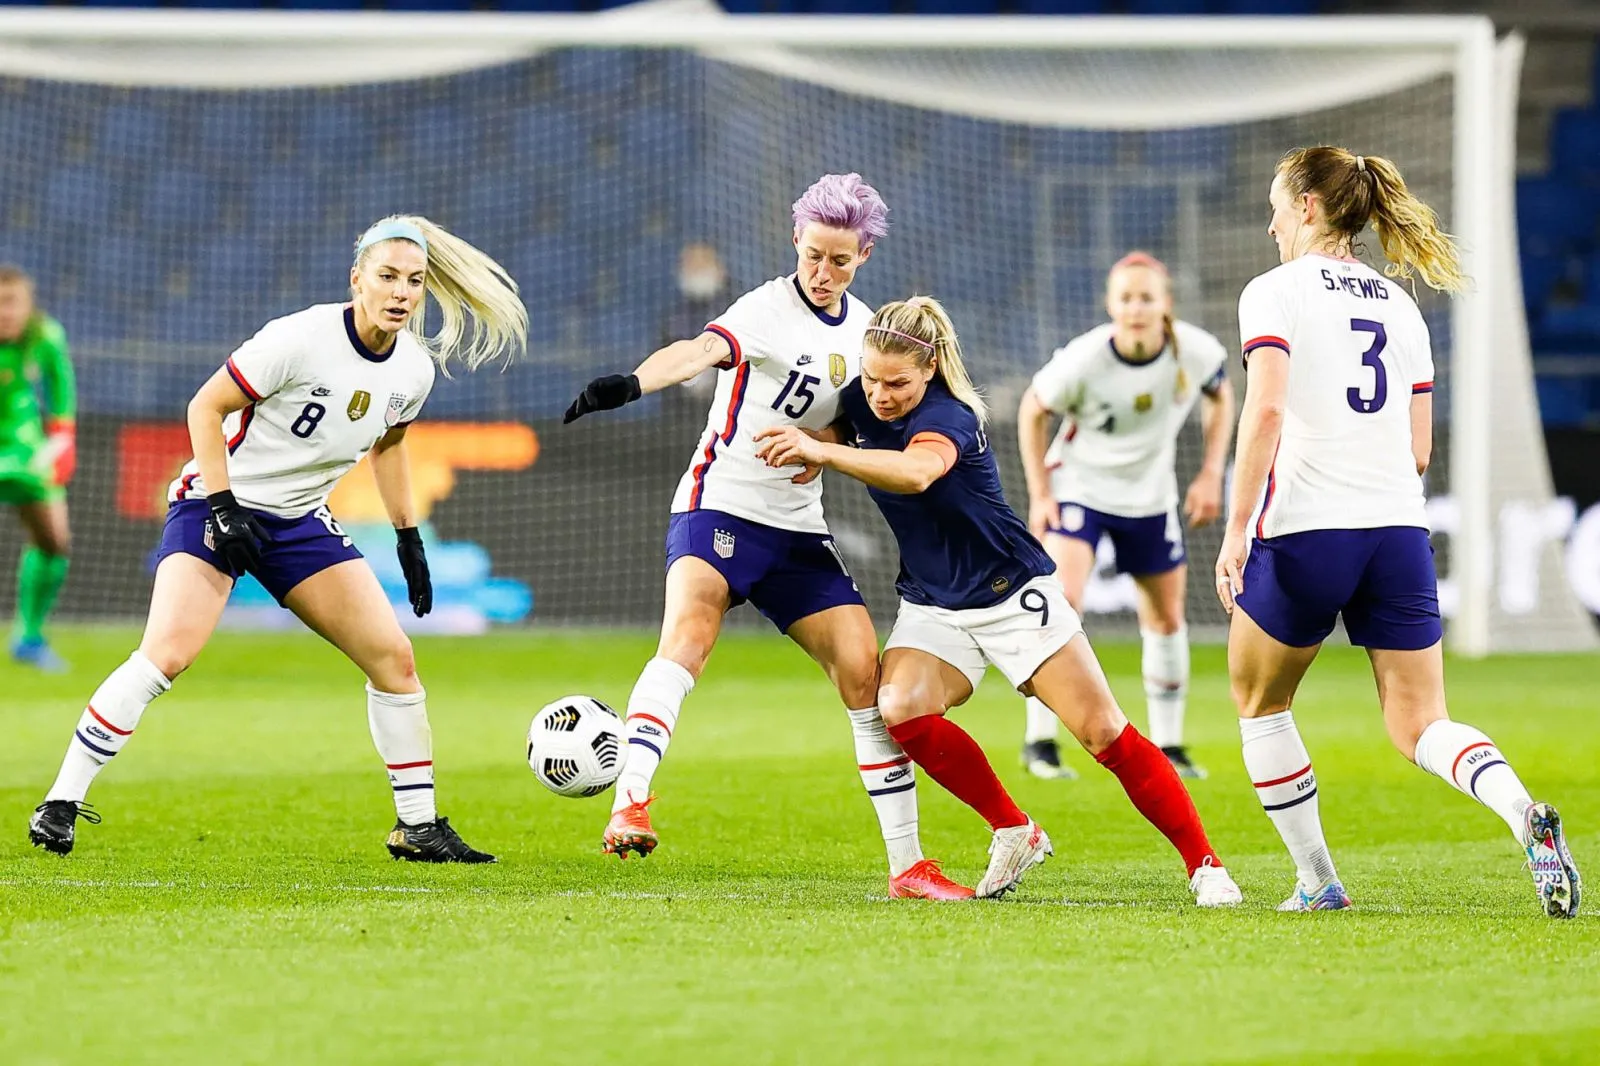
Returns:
(951, 757)
(1153, 786)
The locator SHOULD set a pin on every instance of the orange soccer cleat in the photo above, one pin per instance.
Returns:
(924, 880)
(630, 830)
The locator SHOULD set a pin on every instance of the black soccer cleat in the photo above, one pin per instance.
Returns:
(52, 826)
(432, 842)
(1178, 756)
(1042, 759)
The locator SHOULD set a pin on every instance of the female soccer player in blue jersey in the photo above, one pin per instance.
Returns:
(976, 588)
(743, 532)
(1336, 430)
(289, 413)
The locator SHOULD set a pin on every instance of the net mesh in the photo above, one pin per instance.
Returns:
(164, 226)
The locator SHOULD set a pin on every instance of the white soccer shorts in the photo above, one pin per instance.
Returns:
(1018, 635)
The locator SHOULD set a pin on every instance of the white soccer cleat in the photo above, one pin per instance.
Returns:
(1012, 852)
(1212, 887)
(1555, 875)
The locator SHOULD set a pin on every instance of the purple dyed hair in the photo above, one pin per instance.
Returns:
(844, 201)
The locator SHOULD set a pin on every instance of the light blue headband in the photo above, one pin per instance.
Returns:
(390, 230)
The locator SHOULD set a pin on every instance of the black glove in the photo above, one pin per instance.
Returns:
(604, 394)
(237, 535)
(414, 564)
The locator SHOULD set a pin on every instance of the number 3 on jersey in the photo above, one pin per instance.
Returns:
(1372, 357)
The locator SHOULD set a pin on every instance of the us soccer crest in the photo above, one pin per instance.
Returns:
(722, 543)
(1181, 387)
(1143, 402)
(360, 403)
(836, 369)
(397, 406)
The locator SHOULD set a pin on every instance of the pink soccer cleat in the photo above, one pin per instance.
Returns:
(630, 830)
(924, 880)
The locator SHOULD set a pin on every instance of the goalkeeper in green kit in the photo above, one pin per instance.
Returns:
(37, 453)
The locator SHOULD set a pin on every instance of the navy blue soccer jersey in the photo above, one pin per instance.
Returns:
(961, 544)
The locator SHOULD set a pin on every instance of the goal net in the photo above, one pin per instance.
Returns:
(175, 179)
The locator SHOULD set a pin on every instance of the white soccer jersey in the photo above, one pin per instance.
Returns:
(788, 364)
(1358, 351)
(1117, 447)
(319, 401)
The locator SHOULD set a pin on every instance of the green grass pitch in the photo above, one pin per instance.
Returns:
(237, 905)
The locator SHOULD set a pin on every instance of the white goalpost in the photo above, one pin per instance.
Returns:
(1020, 157)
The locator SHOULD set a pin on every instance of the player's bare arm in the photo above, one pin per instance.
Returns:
(217, 398)
(678, 362)
(926, 460)
(391, 470)
(1260, 426)
(1422, 430)
(1202, 504)
(1033, 438)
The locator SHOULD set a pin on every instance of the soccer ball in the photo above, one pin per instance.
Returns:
(575, 746)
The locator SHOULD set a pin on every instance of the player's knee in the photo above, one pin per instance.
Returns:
(56, 542)
(1098, 730)
(170, 659)
(1163, 623)
(901, 703)
(686, 652)
(857, 680)
(398, 667)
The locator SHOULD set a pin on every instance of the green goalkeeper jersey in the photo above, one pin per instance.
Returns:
(35, 363)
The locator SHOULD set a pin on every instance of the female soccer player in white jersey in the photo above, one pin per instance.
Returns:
(1336, 429)
(1124, 391)
(741, 531)
(289, 413)
(976, 588)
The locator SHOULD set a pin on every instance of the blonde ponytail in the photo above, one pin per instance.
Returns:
(920, 328)
(467, 285)
(1409, 231)
(1355, 190)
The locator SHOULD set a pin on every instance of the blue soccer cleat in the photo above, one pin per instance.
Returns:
(39, 655)
(1329, 897)
(1555, 875)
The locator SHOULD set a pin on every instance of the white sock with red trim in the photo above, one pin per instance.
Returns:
(1165, 664)
(891, 782)
(106, 724)
(653, 709)
(400, 732)
(1471, 762)
(1279, 767)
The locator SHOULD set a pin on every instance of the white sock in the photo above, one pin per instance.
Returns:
(1042, 722)
(891, 782)
(400, 732)
(106, 724)
(1469, 760)
(653, 709)
(1276, 760)
(1165, 664)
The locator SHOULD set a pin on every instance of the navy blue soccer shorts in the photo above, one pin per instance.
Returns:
(1144, 546)
(298, 548)
(785, 575)
(1381, 580)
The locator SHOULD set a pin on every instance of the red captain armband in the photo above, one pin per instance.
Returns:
(735, 354)
(1264, 341)
(938, 444)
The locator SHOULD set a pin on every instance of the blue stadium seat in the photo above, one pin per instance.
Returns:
(1060, 7)
(235, 4)
(1554, 215)
(322, 5)
(1168, 7)
(1572, 329)
(1591, 287)
(78, 197)
(235, 133)
(958, 7)
(759, 7)
(133, 133)
(848, 7)
(332, 129)
(1267, 7)
(1206, 149)
(1142, 217)
(1575, 145)
(428, 5)
(1540, 275)
(180, 199)
(541, 5)
(1563, 401)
